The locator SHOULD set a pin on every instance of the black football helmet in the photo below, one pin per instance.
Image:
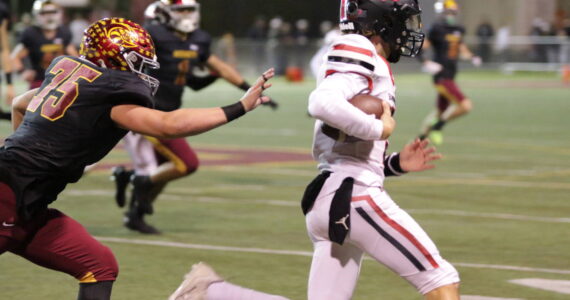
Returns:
(397, 22)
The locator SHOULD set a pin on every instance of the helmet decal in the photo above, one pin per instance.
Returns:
(120, 44)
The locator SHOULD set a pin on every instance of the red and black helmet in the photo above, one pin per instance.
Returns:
(120, 44)
(397, 22)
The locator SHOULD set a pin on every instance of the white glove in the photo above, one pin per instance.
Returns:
(476, 61)
(431, 67)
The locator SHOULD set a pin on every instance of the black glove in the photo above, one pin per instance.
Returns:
(271, 103)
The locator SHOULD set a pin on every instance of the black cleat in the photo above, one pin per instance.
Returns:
(138, 224)
(121, 177)
(142, 187)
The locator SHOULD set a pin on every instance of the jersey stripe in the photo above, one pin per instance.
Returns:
(391, 239)
(353, 49)
(398, 228)
(353, 61)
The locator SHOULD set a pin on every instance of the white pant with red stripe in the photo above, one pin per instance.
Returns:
(380, 228)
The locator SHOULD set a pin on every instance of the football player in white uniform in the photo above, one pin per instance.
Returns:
(348, 212)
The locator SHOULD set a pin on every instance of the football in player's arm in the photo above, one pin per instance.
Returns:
(80, 113)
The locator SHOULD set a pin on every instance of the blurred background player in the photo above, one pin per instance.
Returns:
(42, 42)
(86, 106)
(183, 51)
(446, 40)
(5, 56)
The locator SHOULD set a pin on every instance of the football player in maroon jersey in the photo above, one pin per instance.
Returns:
(84, 107)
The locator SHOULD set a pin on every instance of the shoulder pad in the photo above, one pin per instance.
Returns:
(352, 53)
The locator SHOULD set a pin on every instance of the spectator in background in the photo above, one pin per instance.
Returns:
(502, 42)
(25, 22)
(485, 34)
(539, 50)
(77, 26)
(5, 54)
(329, 34)
(301, 36)
(257, 34)
(226, 49)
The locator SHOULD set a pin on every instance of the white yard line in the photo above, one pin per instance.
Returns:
(558, 286)
(304, 253)
(488, 215)
(285, 203)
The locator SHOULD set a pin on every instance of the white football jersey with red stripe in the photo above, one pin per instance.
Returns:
(352, 67)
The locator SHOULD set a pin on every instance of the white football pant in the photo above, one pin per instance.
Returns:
(382, 230)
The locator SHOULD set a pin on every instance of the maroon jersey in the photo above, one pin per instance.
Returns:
(67, 127)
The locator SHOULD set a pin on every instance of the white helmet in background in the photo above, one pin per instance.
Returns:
(182, 15)
(47, 14)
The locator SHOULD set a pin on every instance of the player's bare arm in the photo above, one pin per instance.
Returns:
(466, 54)
(226, 71)
(19, 52)
(6, 62)
(71, 50)
(189, 121)
(19, 106)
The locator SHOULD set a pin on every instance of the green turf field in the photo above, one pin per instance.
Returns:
(498, 205)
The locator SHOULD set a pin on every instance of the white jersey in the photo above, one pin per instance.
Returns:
(352, 67)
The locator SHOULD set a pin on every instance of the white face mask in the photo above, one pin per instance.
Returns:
(185, 21)
(49, 17)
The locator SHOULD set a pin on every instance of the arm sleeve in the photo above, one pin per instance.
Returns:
(329, 103)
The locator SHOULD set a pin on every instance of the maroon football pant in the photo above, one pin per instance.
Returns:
(54, 241)
(177, 151)
(448, 93)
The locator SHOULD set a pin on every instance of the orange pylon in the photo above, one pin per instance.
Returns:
(566, 74)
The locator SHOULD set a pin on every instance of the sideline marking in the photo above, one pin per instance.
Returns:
(558, 286)
(303, 253)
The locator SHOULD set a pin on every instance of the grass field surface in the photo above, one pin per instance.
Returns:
(497, 205)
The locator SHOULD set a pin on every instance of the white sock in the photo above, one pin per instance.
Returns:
(449, 112)
(227, 291)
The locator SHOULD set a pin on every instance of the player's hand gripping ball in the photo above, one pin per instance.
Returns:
(368, 104)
